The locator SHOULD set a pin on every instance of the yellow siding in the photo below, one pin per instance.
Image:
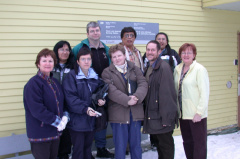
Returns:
(208, 3)
(30, 25)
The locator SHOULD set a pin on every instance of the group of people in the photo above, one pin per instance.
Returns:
(156, 91)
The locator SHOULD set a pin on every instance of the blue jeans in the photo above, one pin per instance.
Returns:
(100, 138)
(127, 133)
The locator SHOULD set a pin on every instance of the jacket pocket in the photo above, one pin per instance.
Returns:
(153, 114)
(155, 124)
(154, 120)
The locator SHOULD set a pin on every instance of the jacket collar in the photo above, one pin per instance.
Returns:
(164, 52)
(45, 77)
(158, 63)
(180, 66)
(91, 74)
(130, 66)
(113, 70)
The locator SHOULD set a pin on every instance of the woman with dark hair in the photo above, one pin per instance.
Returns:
(65, 62)
(43, 102)
(167, 54)
(79, 85)
(192, 87)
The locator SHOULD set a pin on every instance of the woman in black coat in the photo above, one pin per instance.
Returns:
(65, 62)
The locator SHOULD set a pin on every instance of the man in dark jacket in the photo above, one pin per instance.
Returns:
(161, 112)
(100, 61)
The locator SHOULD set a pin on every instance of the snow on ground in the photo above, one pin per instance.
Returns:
(219, 147)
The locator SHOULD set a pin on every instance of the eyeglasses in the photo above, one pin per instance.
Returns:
(187, 53)
(64, 50)
(85, 59)
(129, 35)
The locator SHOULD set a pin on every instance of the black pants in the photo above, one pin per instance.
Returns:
(82, 144)
(165, 145)
(45, 150)
(65, 145)
(153, 140)
(194, 138)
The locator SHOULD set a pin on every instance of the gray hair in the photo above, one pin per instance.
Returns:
(92, 25)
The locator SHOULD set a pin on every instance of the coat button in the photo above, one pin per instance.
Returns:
(127, 121)
(148, 117)
(156, 101)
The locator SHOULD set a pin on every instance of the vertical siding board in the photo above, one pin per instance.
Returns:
(30, 25)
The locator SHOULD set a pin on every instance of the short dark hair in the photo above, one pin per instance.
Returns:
(92, 25)
(115, 48)
(127, 30)
(154, 42)
(83, 51)
(45, 52)
(188, 45)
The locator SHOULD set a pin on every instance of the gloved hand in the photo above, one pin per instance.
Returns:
(62, 124)
(65, 121)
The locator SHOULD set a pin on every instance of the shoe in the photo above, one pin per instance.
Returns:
(104, 153)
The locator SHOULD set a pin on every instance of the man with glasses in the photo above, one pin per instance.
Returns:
(100, 60)
(128, 36)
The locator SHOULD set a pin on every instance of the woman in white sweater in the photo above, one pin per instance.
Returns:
(192, 86)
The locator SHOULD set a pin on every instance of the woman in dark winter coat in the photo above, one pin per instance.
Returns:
(65, 62)
(43, 102)
(127, 90)
(78, 87)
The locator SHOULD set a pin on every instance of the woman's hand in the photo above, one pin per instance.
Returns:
(101, 102)
(91, 112)
(133, 100)
(197, 118)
